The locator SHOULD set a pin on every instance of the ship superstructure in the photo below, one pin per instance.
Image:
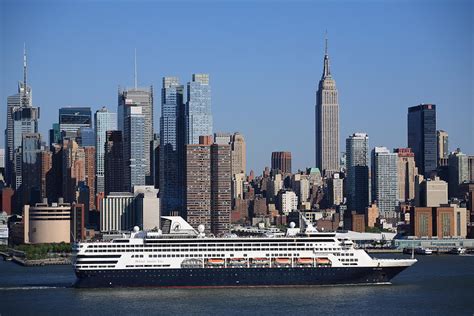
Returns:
(178, 255)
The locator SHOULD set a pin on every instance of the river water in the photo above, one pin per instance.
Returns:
(436, 285)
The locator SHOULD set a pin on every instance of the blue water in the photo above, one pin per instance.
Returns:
(436, 285)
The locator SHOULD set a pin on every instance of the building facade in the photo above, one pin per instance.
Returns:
(442, 144)
(422, 137)
(135, 149)
(118, 212)
(104, 121)
(239, 154)
(407, 171)
(221, 188)
(143, 98)
(198, 115)
(385, 182)
(30, 189)
(430, 192)
(113, 163)
(71, 119)
(281, 161)
(458, 166)
(148, 207)
(336, 189)
(198, 185)
(358, 180)
(288, 202)
(171, 161)
(53, 223)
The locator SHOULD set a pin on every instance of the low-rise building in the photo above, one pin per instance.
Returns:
(54, 223)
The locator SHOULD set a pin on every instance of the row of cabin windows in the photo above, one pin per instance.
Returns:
(199, 250)
(93, 266)
(148, 266)
(213, 255)
(344, 254)
(202, 245)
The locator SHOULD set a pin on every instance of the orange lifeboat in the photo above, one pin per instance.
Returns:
(323, 261)
(215, 261)
(305, 260)
(283, 260)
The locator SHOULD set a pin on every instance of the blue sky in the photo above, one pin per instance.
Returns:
(264, 58)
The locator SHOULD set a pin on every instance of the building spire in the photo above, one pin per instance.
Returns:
(326, 70)
(24, 66)
(326, 44)
(135, 69)
(24, 92)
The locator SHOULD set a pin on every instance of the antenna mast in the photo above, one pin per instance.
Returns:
(135, 69)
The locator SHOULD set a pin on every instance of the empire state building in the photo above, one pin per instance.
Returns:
(327, 122)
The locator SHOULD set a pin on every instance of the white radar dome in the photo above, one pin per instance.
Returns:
(292, 225)
(136, 229)
(201, 228)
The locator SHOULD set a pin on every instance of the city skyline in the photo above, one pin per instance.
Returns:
(232, 113)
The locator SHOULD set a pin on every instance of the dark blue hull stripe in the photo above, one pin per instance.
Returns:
(234, 277)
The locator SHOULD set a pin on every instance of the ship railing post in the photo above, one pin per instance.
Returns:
(292, 262)
(270, 261)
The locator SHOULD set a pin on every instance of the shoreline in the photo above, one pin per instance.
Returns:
(35, 262)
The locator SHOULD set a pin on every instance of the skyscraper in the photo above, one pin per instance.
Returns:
(22, 117)
(238, 150)
(208, 185)
(89, 159)
(385, 182)
(73, 165)
(198, 115)
(239, 154)
(44, 162)
(113, 163)
(71, 119)
(198, 185)
(458, 172)
(327, 122)
(442, 141)
(171, 163)
(422, 137)
(281, 160)
(104, 121)
(135, 147)
(407, 171)
(30, 168)
(358, 181)
(221, 188)
(138, 97)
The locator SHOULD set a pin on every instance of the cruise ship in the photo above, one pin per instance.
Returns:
(179, 256)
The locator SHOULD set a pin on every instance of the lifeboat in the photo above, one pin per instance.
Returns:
(283, 260)
(260, 260)
(216, 261)
(305, 261)
(323, 261)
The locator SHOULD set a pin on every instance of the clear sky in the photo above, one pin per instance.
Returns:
(265, 60)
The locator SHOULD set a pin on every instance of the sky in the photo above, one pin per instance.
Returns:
(265, 60)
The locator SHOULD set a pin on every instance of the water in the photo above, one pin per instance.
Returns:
(436, 285)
